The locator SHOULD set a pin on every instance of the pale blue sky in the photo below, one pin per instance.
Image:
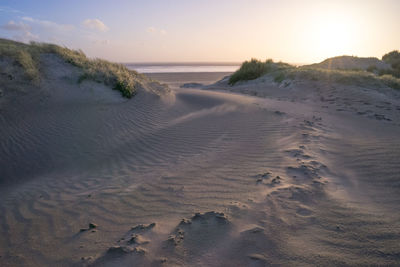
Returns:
(175, 30)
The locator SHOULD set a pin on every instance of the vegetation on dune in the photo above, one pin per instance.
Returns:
(21, 55)
(392, 58)
(112, 74)
(349, 77)
(390, 81)
(254, 69)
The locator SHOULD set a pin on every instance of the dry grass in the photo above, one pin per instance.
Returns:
(350, 77)
(22, 57)
(28, 57)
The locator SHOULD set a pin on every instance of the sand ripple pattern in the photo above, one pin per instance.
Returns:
(64, 165)
(125, 163)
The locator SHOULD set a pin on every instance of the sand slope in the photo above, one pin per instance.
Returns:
(351, 63)
(202, 178)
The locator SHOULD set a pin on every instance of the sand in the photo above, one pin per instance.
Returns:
(352, 63)
(302, 175)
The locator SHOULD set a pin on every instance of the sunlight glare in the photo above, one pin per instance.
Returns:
(332, 35)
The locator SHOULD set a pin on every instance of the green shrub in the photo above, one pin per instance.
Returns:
(392, 58)
(254, 69)
(372, 68)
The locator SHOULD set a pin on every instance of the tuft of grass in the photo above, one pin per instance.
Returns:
(390, 81)
(279, 77)
(25, 60)
(22, 56)
(255, 68)
(113, 74)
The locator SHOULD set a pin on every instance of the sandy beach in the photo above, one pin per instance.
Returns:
(249, 175)
(199, 133)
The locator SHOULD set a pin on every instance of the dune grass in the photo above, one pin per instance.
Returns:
(254, 69)
(28, 57)
(390, 81)
(21, 55)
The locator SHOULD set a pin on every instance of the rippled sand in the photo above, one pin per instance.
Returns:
(197, 178)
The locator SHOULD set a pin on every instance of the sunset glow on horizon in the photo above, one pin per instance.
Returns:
(200, 31)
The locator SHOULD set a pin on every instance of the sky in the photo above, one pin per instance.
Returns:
(302, 31)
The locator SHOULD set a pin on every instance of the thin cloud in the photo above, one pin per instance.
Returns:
(16, 26)
(155, 30)
(95, 24)
(7, 9)
(151, 29)
(101, 42)
(25, 37)
(22, 31)
(49, 25)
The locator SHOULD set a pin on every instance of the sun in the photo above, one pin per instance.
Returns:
(331, 35)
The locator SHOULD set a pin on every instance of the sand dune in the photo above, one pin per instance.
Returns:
(202, 178)
(352, 63)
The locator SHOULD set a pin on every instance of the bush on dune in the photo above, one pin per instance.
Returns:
(28, 56)
(254, 69)
(392, 58)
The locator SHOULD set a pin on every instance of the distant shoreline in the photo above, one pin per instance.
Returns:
(185, 67)
(182, 67)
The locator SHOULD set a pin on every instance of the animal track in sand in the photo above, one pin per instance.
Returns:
(301, 194)
(380, 117)
(132, 241)
(261, 177)
(265, 178)
(143, 227)
(91, 226)
(305, 171)
(297, 153)
(258, 257)
(200, 229)
(303, 211)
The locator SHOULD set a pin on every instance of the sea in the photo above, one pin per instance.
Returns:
(192, 67)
